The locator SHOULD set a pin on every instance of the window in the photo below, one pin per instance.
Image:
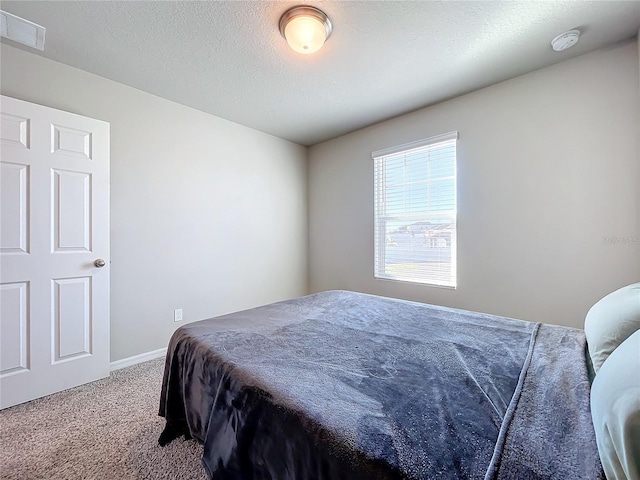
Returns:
(415, 211)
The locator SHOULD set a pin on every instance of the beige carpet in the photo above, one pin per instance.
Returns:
(103, 430)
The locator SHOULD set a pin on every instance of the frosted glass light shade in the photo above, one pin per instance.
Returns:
(305, 34)
(305, 29)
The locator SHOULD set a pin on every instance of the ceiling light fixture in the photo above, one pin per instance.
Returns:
(305, 28)
(565, 40)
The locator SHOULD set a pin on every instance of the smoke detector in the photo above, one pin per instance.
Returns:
(565, 40)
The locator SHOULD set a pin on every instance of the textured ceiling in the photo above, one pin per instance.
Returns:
(384, 58)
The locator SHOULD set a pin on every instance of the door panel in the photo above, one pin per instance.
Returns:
(71, 211)
(14, 185)
(72, 318)
(14, 342)
(68, 141)
(54, 324)
(14, 130)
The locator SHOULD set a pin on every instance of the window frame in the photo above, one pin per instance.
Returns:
(381, 219)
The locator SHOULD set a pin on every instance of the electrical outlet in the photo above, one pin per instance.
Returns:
(177, 315)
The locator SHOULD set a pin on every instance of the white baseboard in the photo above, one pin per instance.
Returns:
(143, 357)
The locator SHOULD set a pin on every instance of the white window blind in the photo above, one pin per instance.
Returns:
(415, 211)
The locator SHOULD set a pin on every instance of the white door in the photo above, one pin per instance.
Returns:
(54, 228)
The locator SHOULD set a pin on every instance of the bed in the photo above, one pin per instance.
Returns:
(344, 385)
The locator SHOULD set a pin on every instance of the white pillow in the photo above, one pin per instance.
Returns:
(615, 409)
(611, 321)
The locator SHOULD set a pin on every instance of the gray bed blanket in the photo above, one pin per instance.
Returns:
(343, 385)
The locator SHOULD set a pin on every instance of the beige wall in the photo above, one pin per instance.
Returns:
(548, 175)
(206, 215)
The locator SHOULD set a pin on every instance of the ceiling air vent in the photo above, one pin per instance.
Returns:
(22, 31)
